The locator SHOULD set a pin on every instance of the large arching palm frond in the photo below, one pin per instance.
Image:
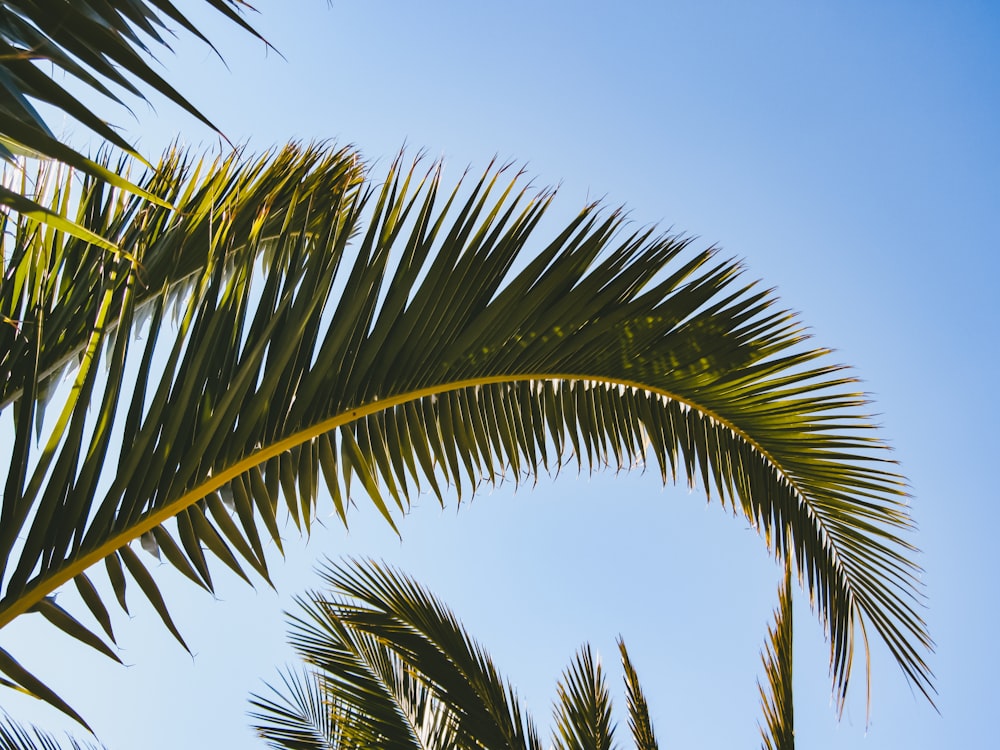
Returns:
(104, 47)
(397, 338)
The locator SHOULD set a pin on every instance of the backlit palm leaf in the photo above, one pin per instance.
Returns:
(392, 339)
(638, 709)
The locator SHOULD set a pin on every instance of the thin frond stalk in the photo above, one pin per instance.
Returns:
(638, 709)
(777, 698)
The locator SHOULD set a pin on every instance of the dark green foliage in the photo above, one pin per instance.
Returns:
(375, 341)
(103, 47)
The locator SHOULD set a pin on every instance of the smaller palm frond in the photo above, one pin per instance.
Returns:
(300, 715)
(583, 710)
(102, 47)
(16, 736)
(776, 698)
(399, 661)
(638, 709)
(389, 666)
(54, 284)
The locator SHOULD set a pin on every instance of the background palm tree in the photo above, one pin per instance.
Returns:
(390, 666)
(386, 664)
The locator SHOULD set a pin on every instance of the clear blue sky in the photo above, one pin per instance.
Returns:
(848, 151)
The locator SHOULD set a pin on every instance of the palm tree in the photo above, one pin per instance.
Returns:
(385, 336)
(390, 666)
(386, 664)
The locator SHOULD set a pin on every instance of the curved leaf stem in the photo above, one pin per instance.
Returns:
(41, 588)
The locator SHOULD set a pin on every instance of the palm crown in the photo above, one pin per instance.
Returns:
(384, 336)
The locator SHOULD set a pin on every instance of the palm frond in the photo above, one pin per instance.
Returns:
(16, 736)
(395, 339)
(302, 716)
(583, 710)
(394, 668)
(389, 666)
(439, 679)
(110, 43)
(53, 283)
(776, 700)
(104, 47)
(379, 702)
(638, 709)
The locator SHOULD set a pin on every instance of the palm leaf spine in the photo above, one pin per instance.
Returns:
(33, 595)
